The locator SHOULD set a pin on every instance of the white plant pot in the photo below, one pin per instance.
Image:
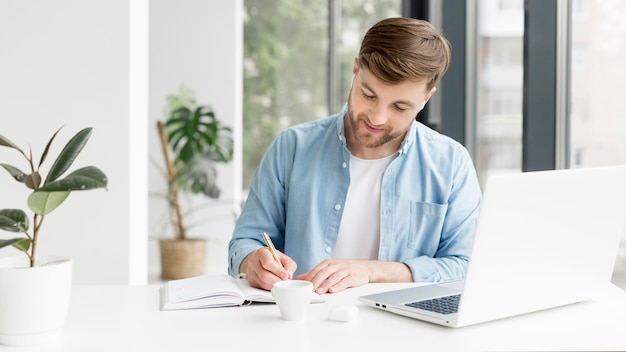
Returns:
(33, 301)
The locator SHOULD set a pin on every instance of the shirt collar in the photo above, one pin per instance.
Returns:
(408, 139)
(340, 130)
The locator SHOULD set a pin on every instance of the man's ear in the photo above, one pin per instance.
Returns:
(429, 95)
(426, 99)
(355, 69)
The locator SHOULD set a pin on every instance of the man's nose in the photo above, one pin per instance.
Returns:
(378, 115)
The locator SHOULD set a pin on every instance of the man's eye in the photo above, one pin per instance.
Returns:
(399, 108)
(368, 97)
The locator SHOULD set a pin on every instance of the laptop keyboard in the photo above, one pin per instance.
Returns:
(441, 305)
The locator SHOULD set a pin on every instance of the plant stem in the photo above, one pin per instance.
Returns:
(33, 246)
(173, 187)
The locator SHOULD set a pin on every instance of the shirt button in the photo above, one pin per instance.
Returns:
(328, 249)
(344, 165)
(337, 206)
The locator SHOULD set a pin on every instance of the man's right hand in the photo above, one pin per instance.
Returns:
(262, 271)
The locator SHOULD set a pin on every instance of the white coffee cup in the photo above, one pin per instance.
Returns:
(293, 298)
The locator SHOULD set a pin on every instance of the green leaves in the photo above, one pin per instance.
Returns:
(68, 154)
(51, 195)
(48, 195)
(17, 174)
(198, 133)
(23, 244)
(7, 143)
(83, 179)
(43, 203)
(13, 220)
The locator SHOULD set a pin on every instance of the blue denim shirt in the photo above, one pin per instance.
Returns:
(430, 197)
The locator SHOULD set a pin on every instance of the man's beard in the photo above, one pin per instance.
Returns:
(362, 137)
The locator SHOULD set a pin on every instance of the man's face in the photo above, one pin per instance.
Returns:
(379, 115)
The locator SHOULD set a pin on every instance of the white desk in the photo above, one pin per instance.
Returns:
(127, 318)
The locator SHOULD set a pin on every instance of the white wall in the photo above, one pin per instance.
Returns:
(197, 43)
(66, 63)
(78, 63)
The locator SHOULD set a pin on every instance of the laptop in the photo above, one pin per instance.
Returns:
(544, 239)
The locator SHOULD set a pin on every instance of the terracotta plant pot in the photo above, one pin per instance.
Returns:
(181, 259)
(33, 301)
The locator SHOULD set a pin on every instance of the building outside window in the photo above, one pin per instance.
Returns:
(500, 31)
(597, 121)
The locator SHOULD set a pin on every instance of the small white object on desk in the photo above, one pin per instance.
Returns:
(344, 313)
(293, 298)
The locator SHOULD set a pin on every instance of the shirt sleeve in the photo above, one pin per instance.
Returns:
(264, 209)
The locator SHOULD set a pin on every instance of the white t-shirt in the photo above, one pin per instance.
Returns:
(359, 232)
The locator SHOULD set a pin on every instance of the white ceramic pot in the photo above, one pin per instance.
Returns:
(33, 301)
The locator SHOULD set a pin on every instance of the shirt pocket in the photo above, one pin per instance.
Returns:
(426, 226)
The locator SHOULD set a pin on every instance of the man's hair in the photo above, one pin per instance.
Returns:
(401, 48)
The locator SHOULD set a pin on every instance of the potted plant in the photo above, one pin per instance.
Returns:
(192, 140)
(35, 290)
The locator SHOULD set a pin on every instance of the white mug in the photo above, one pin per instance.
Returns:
(293, 298)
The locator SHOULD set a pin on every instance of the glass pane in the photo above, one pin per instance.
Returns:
(356, 17)
(598, 84)
(499, 91)
(598, 89)
(285, 56)
(286, 45)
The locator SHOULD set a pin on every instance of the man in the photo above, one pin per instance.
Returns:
(369, 194)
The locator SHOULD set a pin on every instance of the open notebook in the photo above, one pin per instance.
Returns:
(210, 291)
(544, 239)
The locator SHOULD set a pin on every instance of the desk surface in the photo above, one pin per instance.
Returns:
(127, 318)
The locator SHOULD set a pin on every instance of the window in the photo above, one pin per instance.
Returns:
(597, 119)
(499, 82)
(579, 56)
(286, 63)
(598, 86)
(579, 8)
(596, 126)
(510, 5)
